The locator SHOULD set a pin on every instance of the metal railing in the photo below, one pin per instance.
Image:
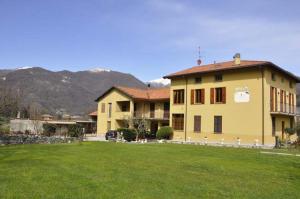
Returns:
(282, 108)
(152, 114)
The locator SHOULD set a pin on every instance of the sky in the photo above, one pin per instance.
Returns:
(148, 38)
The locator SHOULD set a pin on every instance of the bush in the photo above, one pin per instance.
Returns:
(75, 130)
(164, 132)
(49, 129)
(128, 134)
(4, 130)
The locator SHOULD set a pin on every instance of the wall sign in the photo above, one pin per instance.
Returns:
(241, 95)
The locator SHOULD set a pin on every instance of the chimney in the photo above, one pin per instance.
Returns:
(199, 62)
(237, 58)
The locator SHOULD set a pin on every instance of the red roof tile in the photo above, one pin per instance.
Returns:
(147, 94)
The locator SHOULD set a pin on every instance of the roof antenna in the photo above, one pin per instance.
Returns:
(199, 56)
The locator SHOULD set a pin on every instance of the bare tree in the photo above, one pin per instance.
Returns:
(35, 116)
(139, 124)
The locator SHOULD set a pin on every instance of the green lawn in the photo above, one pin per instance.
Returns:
(114, 170)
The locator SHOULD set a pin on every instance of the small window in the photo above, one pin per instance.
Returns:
(218, 78)
(282, 80)
(109, 125)
(291, 84)
(103, 108)
(218, 124)
(178, 122)
(198, 80)
(197, 123)
(178, 96)
(273, 77)
(109, 109)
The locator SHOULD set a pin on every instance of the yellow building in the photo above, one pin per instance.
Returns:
(120, 104)
(250, 101)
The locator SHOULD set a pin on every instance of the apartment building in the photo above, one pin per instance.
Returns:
(252, 101)
(120, 104)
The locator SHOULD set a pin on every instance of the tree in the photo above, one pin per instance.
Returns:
(9, 102)
(139, 124)
(35, 116)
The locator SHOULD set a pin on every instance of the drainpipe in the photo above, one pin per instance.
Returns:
(263, 104)
(185, 114)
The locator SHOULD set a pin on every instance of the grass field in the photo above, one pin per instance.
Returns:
(112, 170)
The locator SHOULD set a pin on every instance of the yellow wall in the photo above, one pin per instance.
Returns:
(240, 120)
(117, 117)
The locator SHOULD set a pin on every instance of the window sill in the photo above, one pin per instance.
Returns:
(177, 104)
(218, 133)
(197, 104)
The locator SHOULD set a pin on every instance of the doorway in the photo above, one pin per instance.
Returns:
(154, 126)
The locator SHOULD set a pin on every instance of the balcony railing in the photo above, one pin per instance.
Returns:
(282, 108)
(165, 115)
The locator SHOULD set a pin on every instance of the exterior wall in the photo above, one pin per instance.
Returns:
(103, 118)
(240, 120)
(246, 121)
(279, 118)
(118, 118)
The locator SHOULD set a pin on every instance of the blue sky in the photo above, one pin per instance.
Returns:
(148, 38)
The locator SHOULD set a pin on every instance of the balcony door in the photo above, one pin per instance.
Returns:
(152, 110)
(166, 109)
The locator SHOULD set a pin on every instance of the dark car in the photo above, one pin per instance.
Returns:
(111, 135)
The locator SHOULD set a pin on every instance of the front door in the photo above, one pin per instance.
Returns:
(282, 129)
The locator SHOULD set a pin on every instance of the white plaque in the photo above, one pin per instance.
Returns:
(242, 95)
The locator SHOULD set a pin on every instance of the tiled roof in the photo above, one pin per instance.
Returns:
(216, 67)
(229, 65)
(93, 113)
(149, 94)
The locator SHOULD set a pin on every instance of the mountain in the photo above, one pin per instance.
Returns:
(159, 82)
(74, 92)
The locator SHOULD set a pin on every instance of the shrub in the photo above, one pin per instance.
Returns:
(49, 129)
(75, 130)
(4, 129)
(164, 132)
(128, 134)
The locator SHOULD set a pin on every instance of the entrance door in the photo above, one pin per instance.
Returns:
(154, 126)
(282, 129)
(152, 110)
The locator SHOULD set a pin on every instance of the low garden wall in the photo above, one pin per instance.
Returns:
(33, 139)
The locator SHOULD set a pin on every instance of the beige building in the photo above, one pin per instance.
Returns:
(253, 101)
(120, 104)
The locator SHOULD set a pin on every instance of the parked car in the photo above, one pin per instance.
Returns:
(111, 135)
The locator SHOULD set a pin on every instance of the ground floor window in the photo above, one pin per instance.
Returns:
(197, 123)
(218, 124)
(273, 126)
(178, 122)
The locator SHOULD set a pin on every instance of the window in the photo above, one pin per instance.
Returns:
(218, 124)
(273, 126)
(218, 95)
(178, 122)
(178, 96)
(103, 108)
(282, 80)
(218, 78)
(273, 77)
(197, 96)
(198, 80)
(109, 109)
(197, 123)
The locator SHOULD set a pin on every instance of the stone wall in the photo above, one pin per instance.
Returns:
(33, 139)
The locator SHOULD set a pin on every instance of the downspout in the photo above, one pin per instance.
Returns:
(263, 104)
(185, 114)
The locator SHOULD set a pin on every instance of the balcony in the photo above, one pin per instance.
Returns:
(155, 115)
(282, 109)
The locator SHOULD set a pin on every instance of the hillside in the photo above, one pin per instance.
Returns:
(73, 91)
